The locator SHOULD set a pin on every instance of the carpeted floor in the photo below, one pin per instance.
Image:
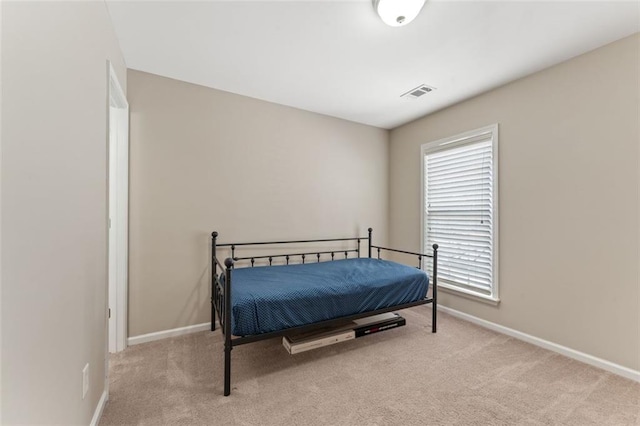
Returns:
(463, 375)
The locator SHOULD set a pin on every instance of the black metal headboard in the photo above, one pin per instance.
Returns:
(303, 256)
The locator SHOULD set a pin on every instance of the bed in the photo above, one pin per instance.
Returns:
(283, 293)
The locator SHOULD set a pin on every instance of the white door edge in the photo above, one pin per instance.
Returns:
(118, 213)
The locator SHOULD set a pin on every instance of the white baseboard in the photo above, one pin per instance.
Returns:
(100, 408)
(563, 350)
(143, 338)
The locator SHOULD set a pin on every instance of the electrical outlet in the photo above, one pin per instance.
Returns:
(85, 380)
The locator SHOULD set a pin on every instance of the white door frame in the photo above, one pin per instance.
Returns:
(118, 171)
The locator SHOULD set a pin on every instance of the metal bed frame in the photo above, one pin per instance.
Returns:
(221, 292)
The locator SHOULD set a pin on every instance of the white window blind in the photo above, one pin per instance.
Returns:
(459, 211)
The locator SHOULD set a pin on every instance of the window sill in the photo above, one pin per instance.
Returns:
(447, 288)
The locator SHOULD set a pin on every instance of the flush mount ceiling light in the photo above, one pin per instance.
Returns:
(396, 13)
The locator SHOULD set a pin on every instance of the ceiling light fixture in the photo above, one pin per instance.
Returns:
(397, 13)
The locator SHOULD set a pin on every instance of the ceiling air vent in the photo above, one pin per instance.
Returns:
(416, 92)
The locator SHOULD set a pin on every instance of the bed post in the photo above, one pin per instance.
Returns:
(227, 326)
(370, 231)
(435, 289)
(214, 273)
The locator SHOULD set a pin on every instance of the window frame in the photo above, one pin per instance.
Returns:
(456, 141)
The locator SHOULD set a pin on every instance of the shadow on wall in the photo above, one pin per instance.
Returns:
(199, 295)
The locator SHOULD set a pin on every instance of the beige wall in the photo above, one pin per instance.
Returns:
(54, 207)
(204, 160)
(569, 211)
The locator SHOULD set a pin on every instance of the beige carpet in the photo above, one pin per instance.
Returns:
(463, 375)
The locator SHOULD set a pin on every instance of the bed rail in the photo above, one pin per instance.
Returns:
(290, 242)
(221, 289)
(303, 256)
(420, 255)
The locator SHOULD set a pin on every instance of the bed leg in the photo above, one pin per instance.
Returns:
(214, 272)
(434, 313)
(227, 327)
(434, 317)
(213, 315)
(227, 371)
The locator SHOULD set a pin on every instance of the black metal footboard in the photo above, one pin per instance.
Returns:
(221, 289)
(434, 278)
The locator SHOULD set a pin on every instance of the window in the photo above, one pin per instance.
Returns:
(460, 210)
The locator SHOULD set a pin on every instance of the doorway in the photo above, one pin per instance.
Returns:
(118, 213)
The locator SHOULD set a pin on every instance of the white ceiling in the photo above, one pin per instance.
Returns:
(338, 58)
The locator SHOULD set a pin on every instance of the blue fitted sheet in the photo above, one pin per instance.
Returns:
(273, 298)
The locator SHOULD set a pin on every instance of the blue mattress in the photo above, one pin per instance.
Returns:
(272, 298)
